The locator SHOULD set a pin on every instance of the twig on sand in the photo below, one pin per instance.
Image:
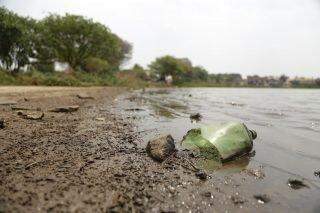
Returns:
(188, 168)
(193, 166)
(158, 198)
(33, 164)
(146, 130)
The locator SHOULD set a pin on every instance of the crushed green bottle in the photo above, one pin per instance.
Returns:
(220, 142)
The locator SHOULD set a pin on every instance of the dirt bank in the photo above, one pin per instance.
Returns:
(91, 161)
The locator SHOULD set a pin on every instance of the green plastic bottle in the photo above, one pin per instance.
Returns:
(221, 142)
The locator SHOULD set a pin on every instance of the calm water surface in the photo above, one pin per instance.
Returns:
(287, 122)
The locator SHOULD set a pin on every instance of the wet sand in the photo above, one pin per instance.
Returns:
(94, 160)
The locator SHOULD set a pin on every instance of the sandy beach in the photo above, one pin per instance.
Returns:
(94, 160)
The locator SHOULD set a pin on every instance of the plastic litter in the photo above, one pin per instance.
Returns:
(220, 142)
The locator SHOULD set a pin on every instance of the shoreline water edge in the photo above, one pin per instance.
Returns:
(90, 156)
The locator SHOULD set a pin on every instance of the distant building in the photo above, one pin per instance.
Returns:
(266, 81)
(257, 81)
(168, 79)
(302, 81)
(62, 67)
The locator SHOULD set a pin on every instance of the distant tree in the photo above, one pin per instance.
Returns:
(215, 78)
(197, 73)
(140, 72)
(96, 65)
(167, 65)
(226, 79)
(295, 83)
(317, 82)
(283, 79)
(256, 81)
(201, 73)
(181, 69)
(74, 39)
(16, 40)
(232, 78)
(137, 68)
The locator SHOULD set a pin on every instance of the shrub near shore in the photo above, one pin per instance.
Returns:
(56, 79)
(128, 78)
(72, 79)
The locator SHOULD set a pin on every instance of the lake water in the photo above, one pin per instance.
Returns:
(287, 120)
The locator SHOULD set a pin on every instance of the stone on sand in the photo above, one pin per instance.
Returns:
(31, 116)
(65, 109)
(161, 148)
(2, 123)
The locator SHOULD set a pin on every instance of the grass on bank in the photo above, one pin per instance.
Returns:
(70, 79)
(123, 79)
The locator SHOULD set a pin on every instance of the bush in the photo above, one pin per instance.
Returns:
(140, 72)
(44, 67)
(96, 65)
(130, 79)
(6, 78)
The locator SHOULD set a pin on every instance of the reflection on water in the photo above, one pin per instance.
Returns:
(227, 168)
(162, 111)
(286, 120)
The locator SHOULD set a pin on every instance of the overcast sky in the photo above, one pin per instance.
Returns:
(265, 37)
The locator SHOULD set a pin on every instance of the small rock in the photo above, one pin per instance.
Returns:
(2, 123)
(196, 117)
(236, 104)
(14, 108)
(134, 109)
(138, 202)
(262, 198)
(252, 154)
(65, 109)
(161, 148)
(7, 102)
(84, 96)
(100, 119)
(297, 184)
(89, 161)
(257, 173)
(172, 189)
(207, 194)
(236, 199)
(202, 175)
(31, 116)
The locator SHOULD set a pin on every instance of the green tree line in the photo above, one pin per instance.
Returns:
(30, 49)
(181, 69)
(80, 42)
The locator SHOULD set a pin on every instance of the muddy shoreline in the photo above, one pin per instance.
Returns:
(92, 160)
